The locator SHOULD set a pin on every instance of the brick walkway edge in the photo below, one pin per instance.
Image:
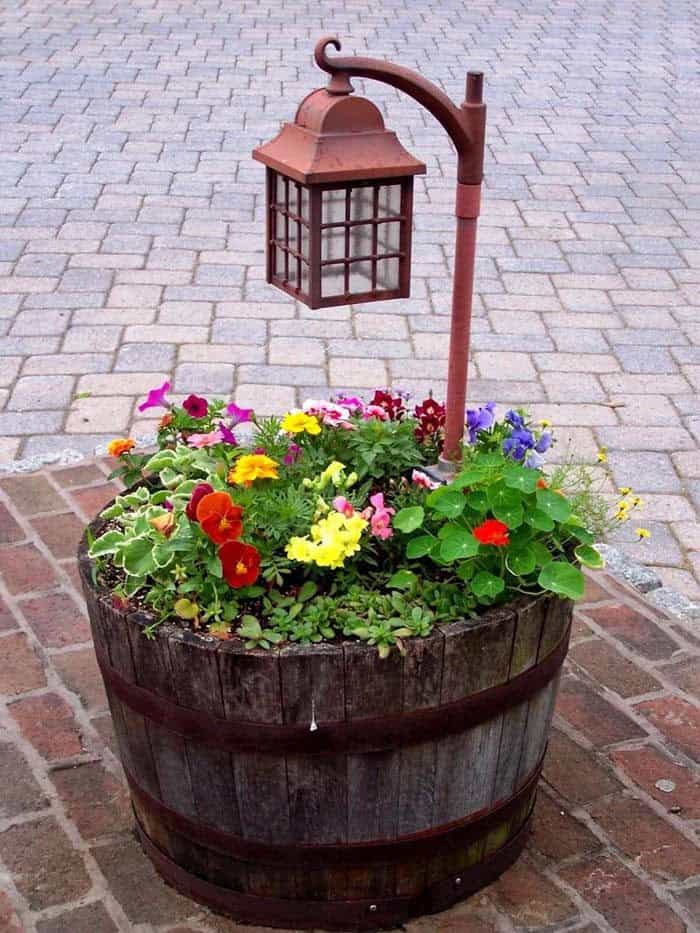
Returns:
(614, 845)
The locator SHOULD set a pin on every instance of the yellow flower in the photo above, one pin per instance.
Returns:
(333, 539)
(643, 533)
(636, 501)
(298, 421)
(250, 467)
(333, 473)
(119, 446)
(625, 490)
(545, 423)
(622, 515)
(623, 506)
(603, 455)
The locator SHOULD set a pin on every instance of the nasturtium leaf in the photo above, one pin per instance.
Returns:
(519, 477)
(521, 562)
(486, 585)
(138, 557)
(553, 504)
(541, 552)
(580, 533)
(512, 517)
(488, 460)
(501, 496)
(409, 519)
(402, 580)
(465, 570)
(458, 545)
(110, 542)
(539, 520)
(520, 537)
(446, 501)
(468, 477)
(478, 501)
(420, 546)
(589, 556)
(561, 577)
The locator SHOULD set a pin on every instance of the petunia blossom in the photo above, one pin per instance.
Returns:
(327, 412)
(205, 440)
(239, 415)
(227, 435)
(196, 406)
(156, 398)
(375, 411)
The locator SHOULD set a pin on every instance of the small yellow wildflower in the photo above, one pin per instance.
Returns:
(296, 422)
(250, 467)
(643, 533)
(623, 505)
(625, 490)
(603, 455)
(622, 515)
(545, 423)
(636, 502)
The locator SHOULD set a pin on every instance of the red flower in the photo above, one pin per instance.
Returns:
(219, 518)
(240, 562)
(198, 493)
(195, 406)
(393, 406)
(492, 532)
(431, 418)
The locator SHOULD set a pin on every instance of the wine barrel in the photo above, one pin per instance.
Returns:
(322, 787)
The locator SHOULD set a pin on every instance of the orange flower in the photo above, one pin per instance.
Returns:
(542, 483)
(492, 532)
(119, 446)
(165, 420)
(219, 518)
(240, 562)
(165, 524)
(250, 467)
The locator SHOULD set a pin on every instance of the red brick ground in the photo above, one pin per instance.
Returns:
(610, 849)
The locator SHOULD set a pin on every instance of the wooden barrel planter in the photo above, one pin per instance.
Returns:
(321, 787)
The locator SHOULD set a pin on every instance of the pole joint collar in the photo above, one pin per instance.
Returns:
(468, 201)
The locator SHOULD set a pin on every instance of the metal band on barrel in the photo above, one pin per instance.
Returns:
(346, 736)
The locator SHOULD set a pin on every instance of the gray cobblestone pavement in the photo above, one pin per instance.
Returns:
(131, 223)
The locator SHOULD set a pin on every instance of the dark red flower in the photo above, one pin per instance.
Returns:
(430, 417)
(492, 532)
(219, 518)
(240, 562)
(198, 493)
(392, 405)
(195, 406)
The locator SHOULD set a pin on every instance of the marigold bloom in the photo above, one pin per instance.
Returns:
(250, 467)
(165, 421)
(119, 446)
(298, 422)
(240, 563)
(492, 532)
(219, 517)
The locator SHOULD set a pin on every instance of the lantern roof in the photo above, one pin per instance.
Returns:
(337, 137)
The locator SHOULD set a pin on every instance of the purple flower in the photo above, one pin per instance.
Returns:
(195, 406)
(239, 415)
(534, 460)
(293, 452)
(351, 402)
(155, 398)
(514, 419)
(479, 419)
(167, 505)
(227, 435)
(544, 443)
(519, 443)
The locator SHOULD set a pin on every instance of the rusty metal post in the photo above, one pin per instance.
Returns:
(467, 202)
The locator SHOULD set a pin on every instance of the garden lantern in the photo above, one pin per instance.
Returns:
(339, 199)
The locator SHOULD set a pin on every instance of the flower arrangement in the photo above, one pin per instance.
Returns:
(324, 524)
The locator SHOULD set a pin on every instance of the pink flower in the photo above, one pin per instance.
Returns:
(155, 398)
(205, 440)
(352, 403)
(375, 411)
(328, 412)
(227, 435)
(195, 406)
(341, 504)
(380, 522)
(422, 479)
(292, 454)
(239, 415)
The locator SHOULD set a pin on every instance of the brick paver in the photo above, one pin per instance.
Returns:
(614, 845)
(131, 222)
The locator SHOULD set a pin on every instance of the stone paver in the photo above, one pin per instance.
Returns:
(614, 844)
(131, 220)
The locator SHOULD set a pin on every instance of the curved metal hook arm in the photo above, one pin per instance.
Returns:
(410, 82)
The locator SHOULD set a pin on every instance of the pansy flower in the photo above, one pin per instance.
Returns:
(219, 517)
(195, 406)
(198, 493)
(480, 419)
(240, 563)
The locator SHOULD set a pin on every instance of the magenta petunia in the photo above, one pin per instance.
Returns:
(195, 406)
(227, 435)
(156, 398)
(239, 415)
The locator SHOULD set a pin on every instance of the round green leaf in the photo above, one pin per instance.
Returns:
(541, 552)
(540, 520)
(468, 477)
(138, 557)
(478, 501)
(519, 477)
(487, 586)
(561, 577)
(521, 562)
(408, 520)
(446, 501)
(501, 496)
(551, 503)
(589, 556)
(510, 517)
(420, 546)
(458, 545)
(402, 580)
